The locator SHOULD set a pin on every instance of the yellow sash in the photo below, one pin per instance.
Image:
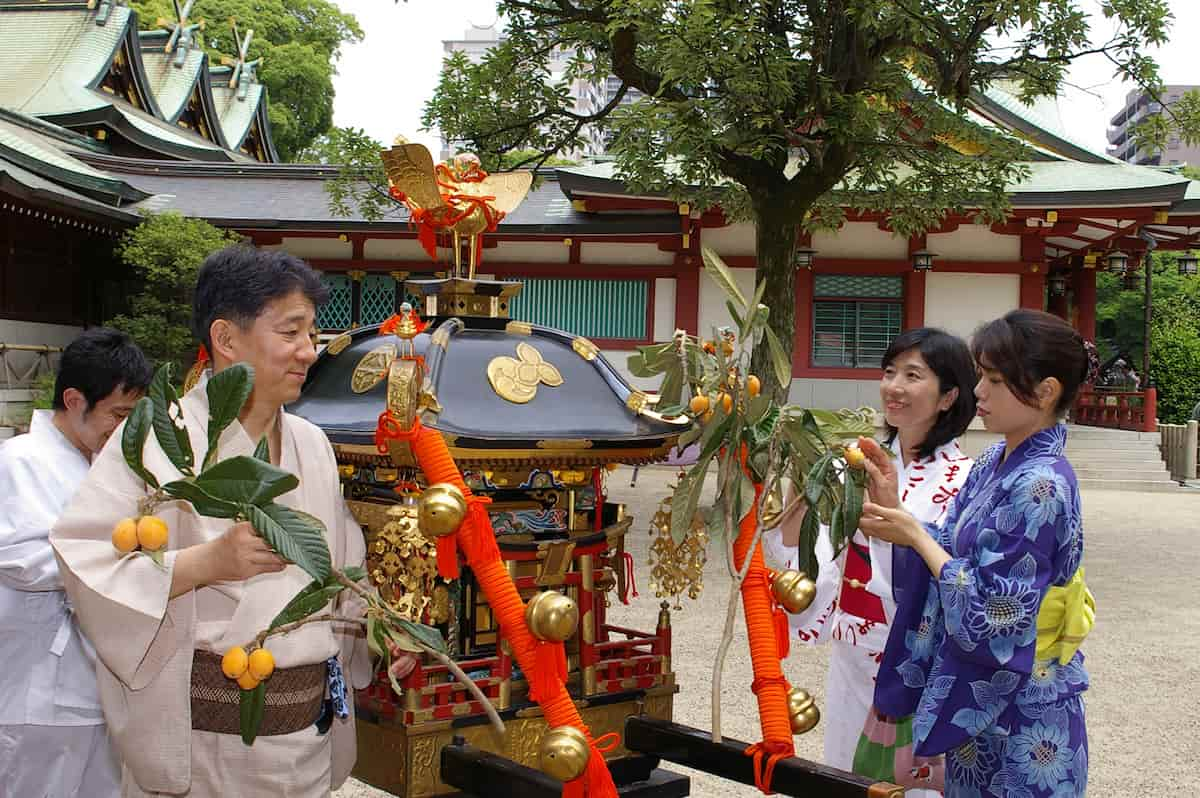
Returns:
(1067, 615)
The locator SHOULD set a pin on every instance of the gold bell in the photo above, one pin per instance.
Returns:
(794, 590)
(441, 510)
(564, 753)
(772, 509)
(802, 711)
(551, 616)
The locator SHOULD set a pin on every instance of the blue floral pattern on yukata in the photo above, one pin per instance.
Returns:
(960, 656)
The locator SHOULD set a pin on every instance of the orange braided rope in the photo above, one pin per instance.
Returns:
(478, 542)
(770, 688)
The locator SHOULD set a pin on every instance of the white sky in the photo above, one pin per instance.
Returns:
(384, 81)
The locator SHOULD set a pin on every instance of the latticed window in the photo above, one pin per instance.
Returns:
(591, 308)
(338, 312)
(377, 298)
(855, 317)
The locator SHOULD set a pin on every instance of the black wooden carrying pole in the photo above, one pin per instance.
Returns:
(694, 748)
(480, 773)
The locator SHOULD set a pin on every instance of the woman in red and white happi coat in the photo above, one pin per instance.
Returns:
(927, 395)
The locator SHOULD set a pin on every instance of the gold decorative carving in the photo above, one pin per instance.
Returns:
(518, 380)
(440, 337)
(556, 561)
(636, 402)
(403, 391)
(338, 345)
(518, 328)
(424, 772)
(373, 367)
(402, 564)
(565, 443)
(585, 348)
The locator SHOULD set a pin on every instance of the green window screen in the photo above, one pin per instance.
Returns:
(377, 298)
(856, 285)
(337, 313)
(854, 334)
(591, 308)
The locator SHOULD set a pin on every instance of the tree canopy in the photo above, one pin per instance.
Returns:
(787, 111)
(299, 41)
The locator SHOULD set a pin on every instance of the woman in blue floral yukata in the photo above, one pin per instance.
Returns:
(984, 649)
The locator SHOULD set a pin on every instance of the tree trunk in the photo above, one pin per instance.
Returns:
(776, 233)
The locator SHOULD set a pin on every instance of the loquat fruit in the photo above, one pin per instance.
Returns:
(699, 405)
(151, 532)
(261, 664)
(247, 681)
(726, 402)
(753, 385)
(855, 457)
(235, 662)
(124, 535)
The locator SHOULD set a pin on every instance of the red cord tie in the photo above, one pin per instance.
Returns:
(630, 579)
(596, 782)
(774, 750)
(388, 429)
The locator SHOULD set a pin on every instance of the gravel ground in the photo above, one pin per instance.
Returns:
(1140, 556)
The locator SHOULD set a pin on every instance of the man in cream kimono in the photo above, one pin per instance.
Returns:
(159, 632)
(52, 735)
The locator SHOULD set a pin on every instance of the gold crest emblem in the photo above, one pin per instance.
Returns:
(373, 367)
(517, 380)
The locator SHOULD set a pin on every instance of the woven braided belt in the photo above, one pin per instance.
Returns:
(294, 697)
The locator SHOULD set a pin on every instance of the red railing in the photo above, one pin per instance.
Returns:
(1131, 410)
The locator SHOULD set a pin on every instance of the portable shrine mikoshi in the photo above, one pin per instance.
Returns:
(532, 417)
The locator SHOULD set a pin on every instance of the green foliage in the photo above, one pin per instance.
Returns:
(784, 113)
(43, 391)
(779, 442)
(1175, 355)
(299, 41)
(166, 251)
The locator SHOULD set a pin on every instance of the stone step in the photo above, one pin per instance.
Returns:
(1137, 485)
(1113, 460)
(1118, 444)
(1159, 474)
(1091, 433)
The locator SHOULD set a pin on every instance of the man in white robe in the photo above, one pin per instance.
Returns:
(155, 628)
(52, 735)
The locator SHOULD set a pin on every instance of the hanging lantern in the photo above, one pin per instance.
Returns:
(1118, 262)
(802, 257)
(922, 260)
(1188, 264)
(1131, 281)
(1058, 285)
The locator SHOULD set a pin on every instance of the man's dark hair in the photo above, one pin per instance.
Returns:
(949, 358)
(99, 362)
(238, 282)
(1028, 346)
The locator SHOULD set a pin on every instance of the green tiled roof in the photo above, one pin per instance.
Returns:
(172, 85)
(236, 115)
(1037, 124)
(49, 59)
(46, 157)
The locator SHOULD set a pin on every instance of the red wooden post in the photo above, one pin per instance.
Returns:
(1150, 410)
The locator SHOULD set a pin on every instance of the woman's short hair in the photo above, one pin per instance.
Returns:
(950, 360)
(238, 282)
(1028, 346)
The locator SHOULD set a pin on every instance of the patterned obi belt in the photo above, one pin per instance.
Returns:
(294, 697)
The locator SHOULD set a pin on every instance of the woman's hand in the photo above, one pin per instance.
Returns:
(883, 482)
(895, 525)
(898, 527)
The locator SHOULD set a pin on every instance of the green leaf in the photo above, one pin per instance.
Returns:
(814, 483)
(252, 704)
(295, 535)
(720, 274)
(246, 479)
(715, 433)
(689, 437)
(806, 549)
(686, 498)
(310, 600)
(743, 496)
(263, 450)
(779, 359)
(650, 361)
(204, 503)
(671, 390)
(133, 439)
(376, 641)
(355, 573)
(737, 318)
(172, 438)
(852, 500)
(759, 290)
(837, 532)
(427, 635)
(228, 391)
